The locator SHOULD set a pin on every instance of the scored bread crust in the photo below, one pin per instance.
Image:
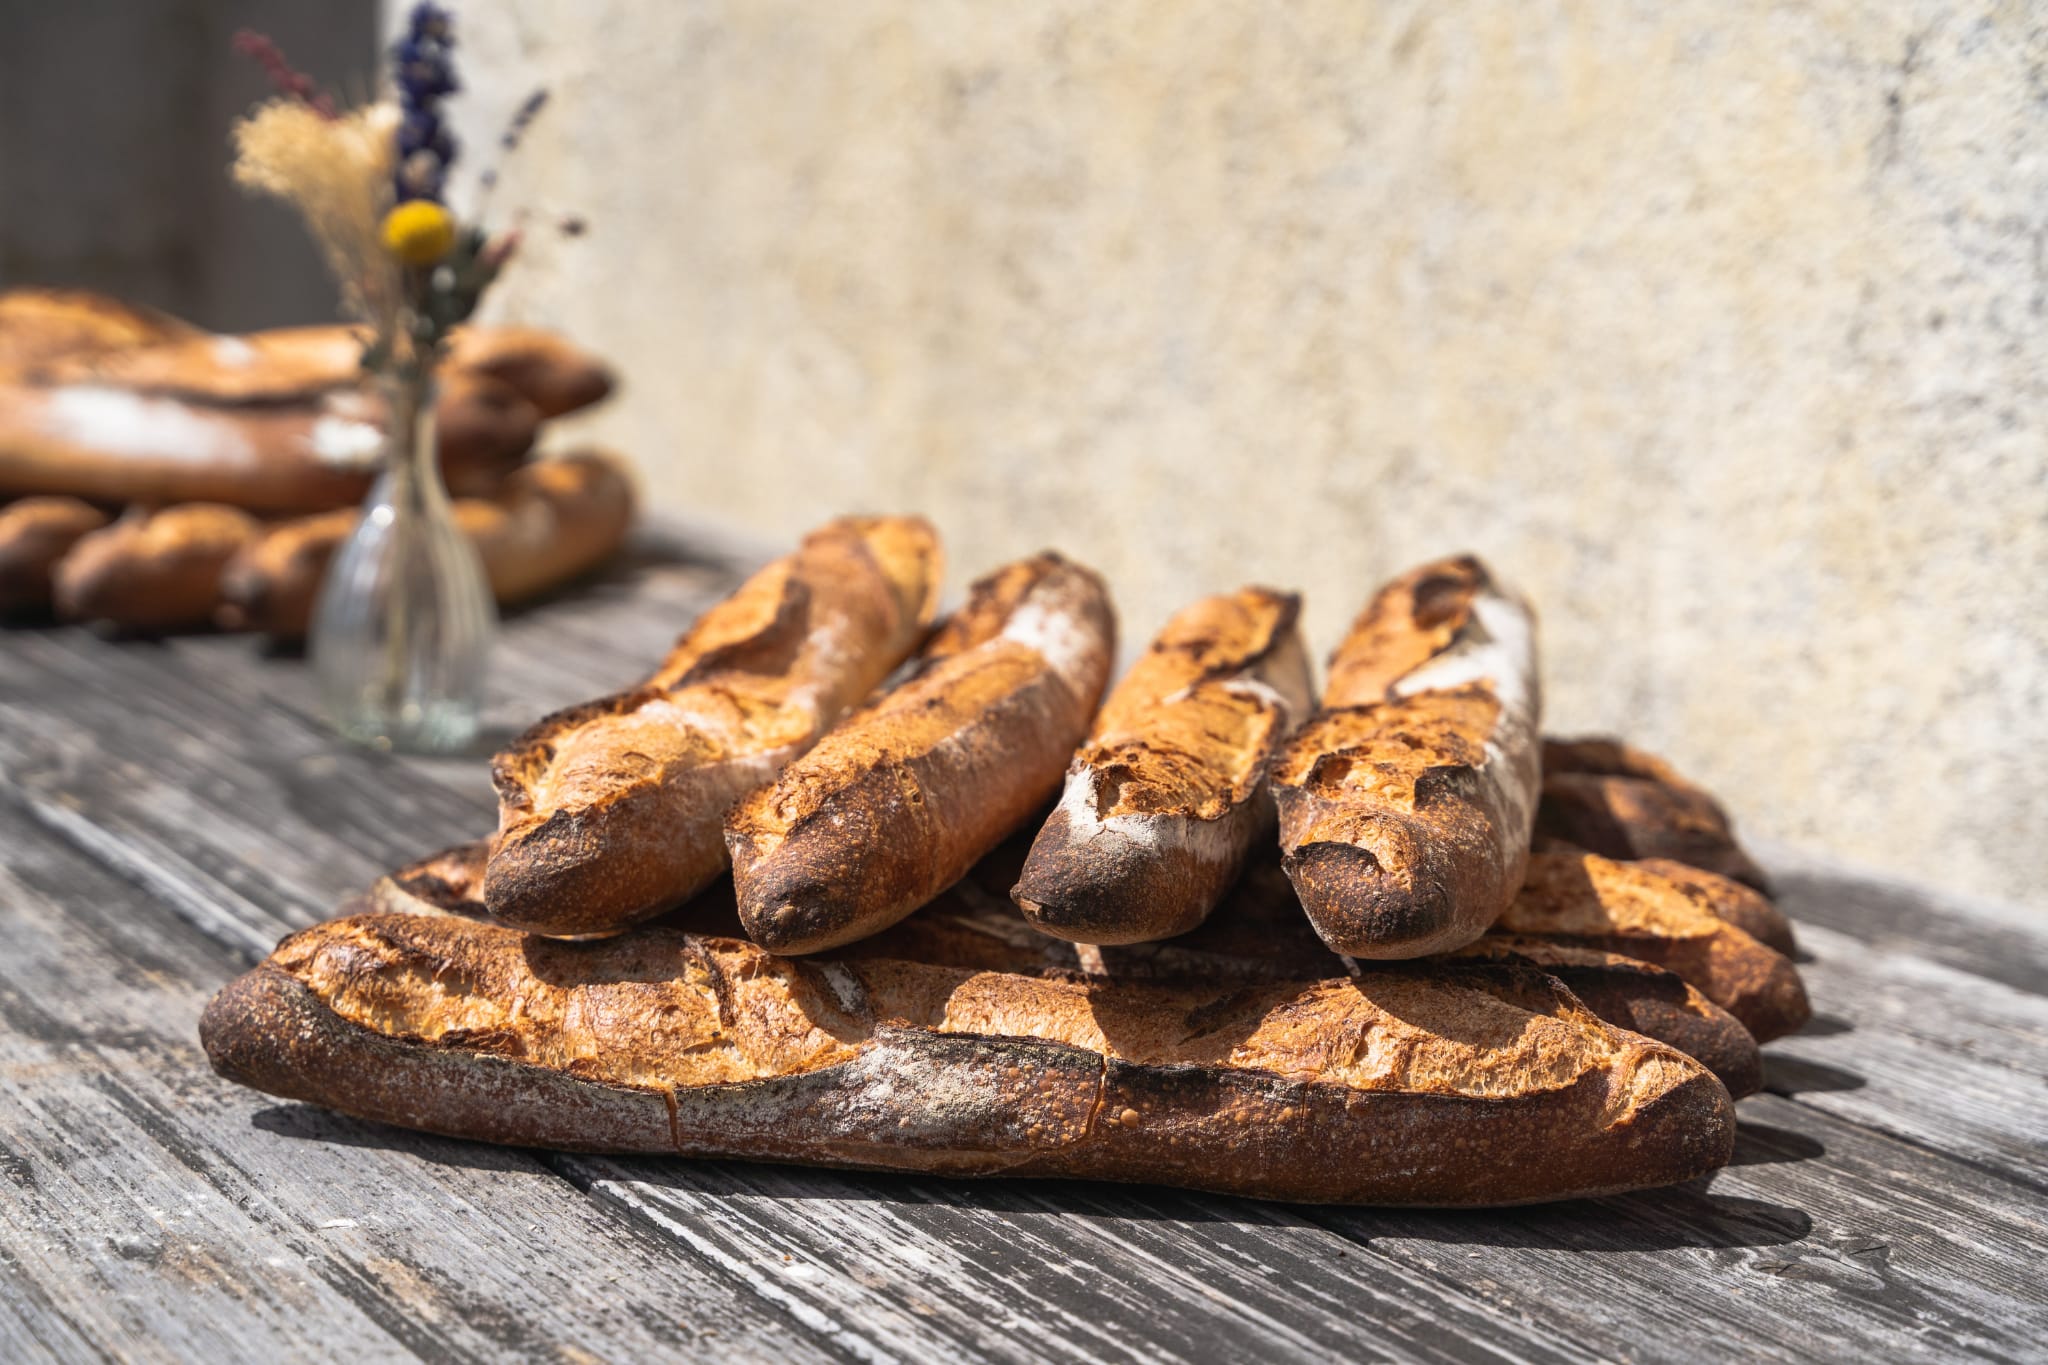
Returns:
(1257, 934)
(1164, 800)
(1631, 909)
(1622, 802)
(1406, 802)
(612, 811)
(35, 534)
(152, 571)
(38, 326)
(549, 522)
(897, 803)
(1412, 1084)
(105, 402)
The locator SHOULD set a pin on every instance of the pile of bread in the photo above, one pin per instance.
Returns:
(981, 921)
(166, 478)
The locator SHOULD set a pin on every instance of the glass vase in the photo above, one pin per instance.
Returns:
(401, 637)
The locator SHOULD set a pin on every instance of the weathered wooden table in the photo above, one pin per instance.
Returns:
(169, 810)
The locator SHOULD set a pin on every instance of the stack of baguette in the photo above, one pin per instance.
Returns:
(164, 478)
(1211, 931)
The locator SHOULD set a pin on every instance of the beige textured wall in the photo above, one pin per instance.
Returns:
(1720, 326)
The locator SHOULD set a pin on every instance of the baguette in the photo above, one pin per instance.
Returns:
(1163, 802)
(1644, 998)
(38, 326)
(899, 802)
(1620, 802)
(1625, 908)
(1257, 934)
(34, 534)
(1740, 905)
(278, 421)
(1406, 802)
(298, 453)
(612, 811)
(550, 522)
(1430, 1084)
(152, 571)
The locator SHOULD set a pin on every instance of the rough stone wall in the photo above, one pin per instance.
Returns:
(1718, 325)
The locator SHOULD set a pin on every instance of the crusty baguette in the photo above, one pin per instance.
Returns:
(152, 570)
(1621, 802)
(1626, 908)
(554, 376)
(279, 421)
(1163, 802)
(1418, 1084)
(550, 522)
(1644, 998)
(34, 534)
(1406, 802)
(612, 811)
(1257, 934)
(897, 803)
(1742, 906)
(301, 454)
(38, 326)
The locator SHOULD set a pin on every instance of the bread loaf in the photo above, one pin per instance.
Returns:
(280, 421)
(1417, 1084)
(550, 522)
(1641, 997)
(1620, 802)
(1257, 934)
(1742, 906)
(1406, 802)
(898, 802)
(38, 326)
(34, 534)
(613, 811)
(1164, 800)
(1626, 908)
(152, 571)
(548, 372)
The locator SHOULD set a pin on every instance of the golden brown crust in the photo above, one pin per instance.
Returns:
(1257, 934)
(611, 811)
(99, 402)
(1641, 997)
(38, 326)
(35, 533)
(1163, 802)
(1420, 1085)
(894, 805)
(152, 571)
(554, 376)
(1405, 803)
(1623, 802)
(1629, 909)
(1744, 907)
(551, 521)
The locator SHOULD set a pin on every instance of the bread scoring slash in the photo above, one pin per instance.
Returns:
(899, 802)
(1163, 803)
(612, 811)
(1406, 803)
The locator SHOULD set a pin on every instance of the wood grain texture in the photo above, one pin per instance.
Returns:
(168, 811)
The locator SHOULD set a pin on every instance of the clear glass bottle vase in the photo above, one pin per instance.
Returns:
(401, 638)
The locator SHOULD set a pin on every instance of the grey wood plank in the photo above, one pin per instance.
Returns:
(1061, 1269)
(157, 1213)
(1885, 1254)
(1924, 1051)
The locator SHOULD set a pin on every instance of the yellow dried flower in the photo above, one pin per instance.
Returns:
(419, 232)
(337, 173)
